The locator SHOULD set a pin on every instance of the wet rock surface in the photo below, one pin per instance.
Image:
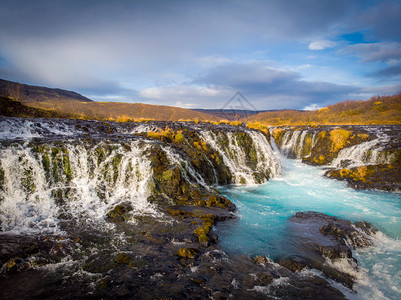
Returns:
(371, 177)
(158, 259)
(324, 242)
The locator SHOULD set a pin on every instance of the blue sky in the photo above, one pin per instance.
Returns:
(196, 54)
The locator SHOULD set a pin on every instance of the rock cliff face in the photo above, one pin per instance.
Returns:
(367, 157)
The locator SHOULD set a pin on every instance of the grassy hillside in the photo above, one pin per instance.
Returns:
(13, 108)
(122, 111)
(35, 101)
(29, 93)
(377, 110)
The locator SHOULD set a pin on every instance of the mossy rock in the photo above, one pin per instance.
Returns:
(339, 139)
(122, 258)
(277, 134)
(382, 177)
(120, 213)
(187, 253)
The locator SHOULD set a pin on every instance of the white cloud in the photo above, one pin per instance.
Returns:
(186, 105)
(384, 52)
(179, 93)
(321, 45)
(312, 107)
(303, 67)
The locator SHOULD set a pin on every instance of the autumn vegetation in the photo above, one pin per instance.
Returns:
(377, 110)
(33, 101)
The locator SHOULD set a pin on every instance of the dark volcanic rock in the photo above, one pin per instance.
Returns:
(323, 240)
(379, 177)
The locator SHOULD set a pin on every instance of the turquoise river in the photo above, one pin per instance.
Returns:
(263, 211)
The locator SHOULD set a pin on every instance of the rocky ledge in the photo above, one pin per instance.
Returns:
(325, 243)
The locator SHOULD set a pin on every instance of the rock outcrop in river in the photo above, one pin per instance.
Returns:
(325, 243)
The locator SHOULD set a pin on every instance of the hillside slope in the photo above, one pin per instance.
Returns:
(384, 110)
(13, 108)
(29, 93)
(33, 101)
(123, 111)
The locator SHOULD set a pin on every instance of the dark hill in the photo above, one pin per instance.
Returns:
(31, 93)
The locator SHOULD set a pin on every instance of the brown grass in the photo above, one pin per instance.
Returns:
(122, 112)
(385, 110)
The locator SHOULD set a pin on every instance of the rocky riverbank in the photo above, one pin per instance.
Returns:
(366, 157)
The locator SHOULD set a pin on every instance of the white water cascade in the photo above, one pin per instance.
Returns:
(366, 153)
(36, 191)
(51, 172)
(234, 156)
(293, 143)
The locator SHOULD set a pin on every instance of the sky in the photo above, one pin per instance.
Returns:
(279, 54)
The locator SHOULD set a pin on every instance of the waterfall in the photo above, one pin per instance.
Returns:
(235, 157)
(267, 159)
(47, 182)
(366, 153)
(26, 204)
(294, 143)
(186, 169)
(59, 174)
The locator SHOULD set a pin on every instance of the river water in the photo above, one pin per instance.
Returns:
(263, 212)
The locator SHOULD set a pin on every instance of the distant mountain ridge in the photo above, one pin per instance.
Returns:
(235, 114)
(29, 93)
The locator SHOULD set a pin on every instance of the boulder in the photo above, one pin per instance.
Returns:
(322, 241)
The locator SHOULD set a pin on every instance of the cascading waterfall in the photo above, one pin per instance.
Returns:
(43, 183)
(290, 142)
(235, 158)
(186, 169)
(267, 159)
(66, 177)
(233, 153)
(298, 144)
(366, 153)
(26, 204)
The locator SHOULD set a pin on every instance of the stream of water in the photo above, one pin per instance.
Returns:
(263, 212)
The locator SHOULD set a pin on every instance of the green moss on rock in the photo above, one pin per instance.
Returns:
(120, 213)
(122, 258)
(187, 252)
